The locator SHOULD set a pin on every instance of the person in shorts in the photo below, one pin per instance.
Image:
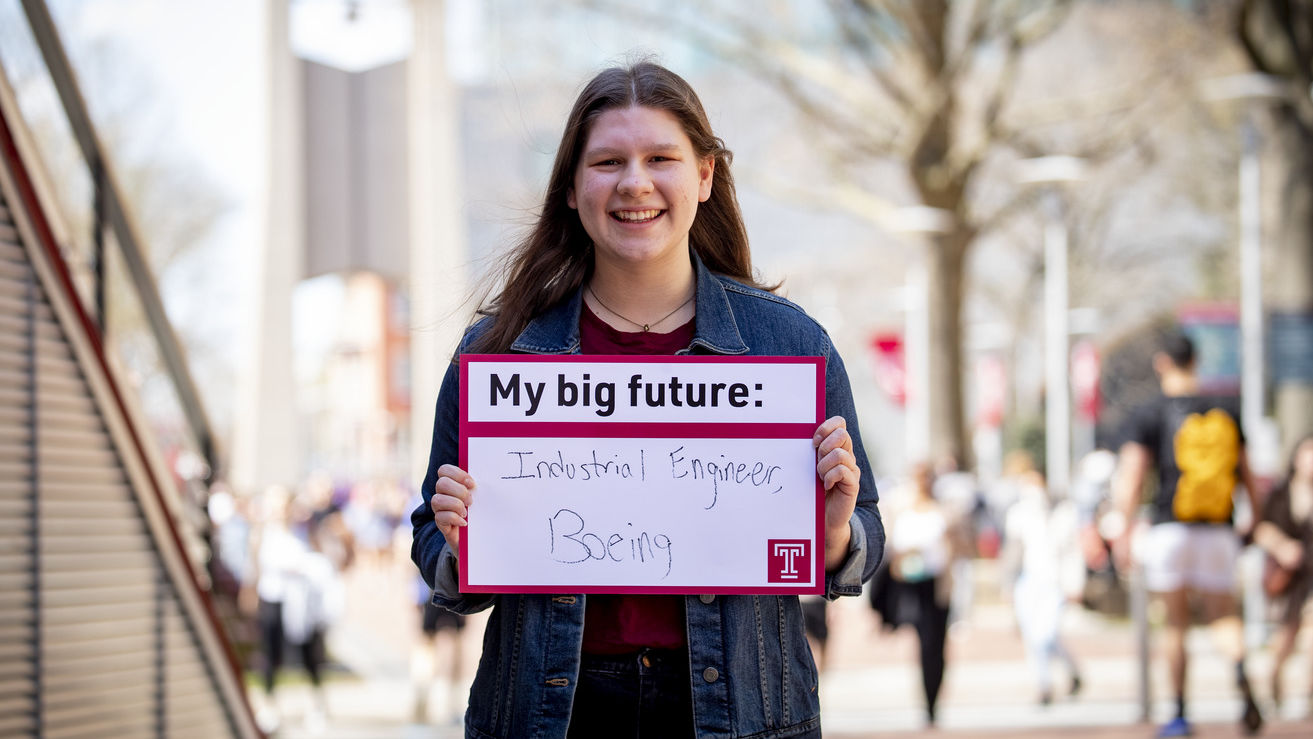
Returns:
(1194, 445)
(439, 651)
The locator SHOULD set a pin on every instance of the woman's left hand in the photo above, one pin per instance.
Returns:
(837, 467)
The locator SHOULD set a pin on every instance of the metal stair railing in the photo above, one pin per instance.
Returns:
(109, 206)
(114, 229)
(94, 558)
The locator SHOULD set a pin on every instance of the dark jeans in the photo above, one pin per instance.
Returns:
(931, 631)
(641, 694)
(270, 618)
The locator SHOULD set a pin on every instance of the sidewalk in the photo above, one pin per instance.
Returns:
(871, 686)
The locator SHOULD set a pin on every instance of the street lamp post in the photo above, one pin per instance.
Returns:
(927, 223)
(1052, 171)
(1246, 88)
(1057, 408)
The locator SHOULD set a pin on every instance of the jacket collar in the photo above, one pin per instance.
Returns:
(556, 330)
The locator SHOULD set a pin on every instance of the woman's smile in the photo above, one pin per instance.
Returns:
(636, 216)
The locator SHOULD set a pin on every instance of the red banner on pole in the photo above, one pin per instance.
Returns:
(1085, 379)
(890, 366)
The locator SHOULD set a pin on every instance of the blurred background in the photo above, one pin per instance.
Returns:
(254, 230)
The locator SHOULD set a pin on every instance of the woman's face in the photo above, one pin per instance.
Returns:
(1304, 461)
(637, 186)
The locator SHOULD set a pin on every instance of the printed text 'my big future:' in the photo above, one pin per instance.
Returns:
(601, 396)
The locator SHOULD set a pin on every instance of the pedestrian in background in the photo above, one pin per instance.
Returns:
(1103, 590)
(313, 601)
(439, 651)
(1285, 532)
(640, 248)
(277, 552)
(926, 537)
(816, 624)
(1040, 551)
(1195, 445)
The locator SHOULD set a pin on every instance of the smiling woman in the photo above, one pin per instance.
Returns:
(640, 229)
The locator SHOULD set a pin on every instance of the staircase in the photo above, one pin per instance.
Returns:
(106, 622)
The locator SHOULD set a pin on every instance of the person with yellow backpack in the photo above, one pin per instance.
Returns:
(1195, 448)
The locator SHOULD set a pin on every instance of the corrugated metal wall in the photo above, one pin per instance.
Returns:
(94, 640)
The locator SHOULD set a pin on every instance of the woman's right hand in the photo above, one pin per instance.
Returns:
(1290, 554)
(452, 498)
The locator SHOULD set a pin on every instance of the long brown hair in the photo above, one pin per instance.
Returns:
(555, 258)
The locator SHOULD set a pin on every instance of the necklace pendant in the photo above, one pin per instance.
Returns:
(646, 327)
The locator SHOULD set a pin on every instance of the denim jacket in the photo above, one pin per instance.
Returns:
(751, 671)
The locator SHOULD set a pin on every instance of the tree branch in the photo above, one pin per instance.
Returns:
(788, 69)
(839, 197)
(924, 21)
(866, 50)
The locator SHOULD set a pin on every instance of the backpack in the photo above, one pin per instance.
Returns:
(1207, 450)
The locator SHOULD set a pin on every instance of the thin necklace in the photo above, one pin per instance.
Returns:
(645, 326)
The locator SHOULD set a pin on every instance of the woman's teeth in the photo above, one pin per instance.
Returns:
(635, 216)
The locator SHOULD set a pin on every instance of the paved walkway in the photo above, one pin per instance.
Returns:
(870, 686)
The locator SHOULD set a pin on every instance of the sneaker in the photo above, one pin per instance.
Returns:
(1176, 727)
(267, 718)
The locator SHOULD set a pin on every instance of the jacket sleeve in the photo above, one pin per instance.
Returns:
(437, 563)
(866, 548)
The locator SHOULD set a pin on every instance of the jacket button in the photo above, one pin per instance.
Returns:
(710, 674)
(706, 598)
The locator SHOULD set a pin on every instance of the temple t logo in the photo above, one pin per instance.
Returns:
(788, 560)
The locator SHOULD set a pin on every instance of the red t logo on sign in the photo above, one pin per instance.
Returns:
(788, 560)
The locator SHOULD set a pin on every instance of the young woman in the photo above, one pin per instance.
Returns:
(1286, 534)
(640, 249)
(925, 537)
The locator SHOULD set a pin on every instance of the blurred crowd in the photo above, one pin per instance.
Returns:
(1051, 550)
(283, 555)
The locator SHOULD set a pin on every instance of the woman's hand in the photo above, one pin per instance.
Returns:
(1286, 550)
(837, 467)
(453, 494)
(1289, 554)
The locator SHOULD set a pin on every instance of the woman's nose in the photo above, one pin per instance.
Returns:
(635, 182)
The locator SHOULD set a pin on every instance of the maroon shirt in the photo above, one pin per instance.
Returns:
(616, 624)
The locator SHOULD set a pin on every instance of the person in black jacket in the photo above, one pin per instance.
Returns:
(1194, 445)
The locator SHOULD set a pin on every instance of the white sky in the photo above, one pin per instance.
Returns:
(206, 62)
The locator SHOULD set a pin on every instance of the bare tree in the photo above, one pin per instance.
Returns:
(953, 94)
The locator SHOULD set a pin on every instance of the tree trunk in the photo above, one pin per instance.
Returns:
(945, 267)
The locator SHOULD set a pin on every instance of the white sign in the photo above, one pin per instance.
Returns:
(602, 474)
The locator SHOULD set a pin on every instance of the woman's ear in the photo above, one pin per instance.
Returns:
(705, 171)
(569, 198)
